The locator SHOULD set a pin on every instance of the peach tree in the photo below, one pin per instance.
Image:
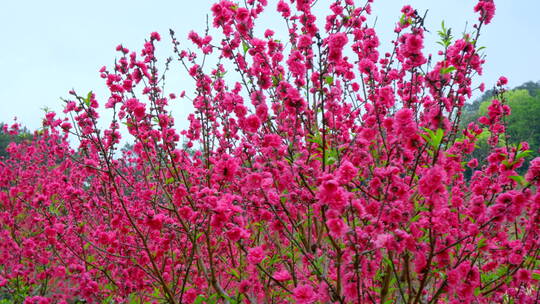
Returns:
(315, 169)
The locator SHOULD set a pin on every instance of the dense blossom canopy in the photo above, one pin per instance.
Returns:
(314, 170)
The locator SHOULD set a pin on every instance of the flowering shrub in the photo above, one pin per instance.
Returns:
(322, 172)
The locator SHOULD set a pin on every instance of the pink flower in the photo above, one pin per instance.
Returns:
(139, 111)
(268, 33)
(284, 9)
(515, 259)
(155, 36)
(303, 294)
(482, 87)
(432, 181)
(453, 278)
(533, 174)
(252, 123)
(245, 286)
(404, 116)
(420, 262)
(346, 172)
(253, 181)
(486, 8)
(37, 300)
(155, 222)
(473, 163)
(337, 227)
(245, 171)
(414, 43)
(226, 168)
(336, 42)
(408, 11)
(366, 66)
(271, 140)
(382, 240)
(523, 275)
(282, 275)
(330, 193)
(237, 233)
(242, 14)
(304, 42)
(256, 255)
(296, 64)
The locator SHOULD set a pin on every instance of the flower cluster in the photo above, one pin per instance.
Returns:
(322, 171)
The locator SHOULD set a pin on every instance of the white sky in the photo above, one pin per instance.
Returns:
(49, 47)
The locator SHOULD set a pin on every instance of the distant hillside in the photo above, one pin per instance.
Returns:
(6, 139)
(523, 124)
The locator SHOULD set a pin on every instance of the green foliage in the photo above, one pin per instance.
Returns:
(19, 290)
(445, 34)
(522, 124)
(6, 139)
(433, 138)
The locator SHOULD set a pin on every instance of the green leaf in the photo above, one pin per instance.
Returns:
(438, 137)
(518, 179)
(53, 208)
(443, 30)
(234, 272)
(405, 20)
(133, 298)
(523, 154)
(415, 218)
(212, 299)
(433, 138)
(447, 70)
(199, 299)
(275, 81)
(91, 259)
(329, 80)
(482, 243)
(426, 138)
(330, 160)
(316, 139)
(245, 46)
(169, 181)
(88, 99)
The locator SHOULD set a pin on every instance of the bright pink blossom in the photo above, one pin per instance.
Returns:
(303, 294)
(256, 255)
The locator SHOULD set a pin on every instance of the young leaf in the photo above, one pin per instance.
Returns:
(245, 47)
(447, 70)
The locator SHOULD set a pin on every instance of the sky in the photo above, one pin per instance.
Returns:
(49, 47)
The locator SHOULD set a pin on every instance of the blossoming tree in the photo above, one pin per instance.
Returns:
(322, 172)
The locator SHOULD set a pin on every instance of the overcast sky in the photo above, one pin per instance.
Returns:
(49, 47)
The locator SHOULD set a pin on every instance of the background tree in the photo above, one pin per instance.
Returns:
(522, 124)
(7, 137)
